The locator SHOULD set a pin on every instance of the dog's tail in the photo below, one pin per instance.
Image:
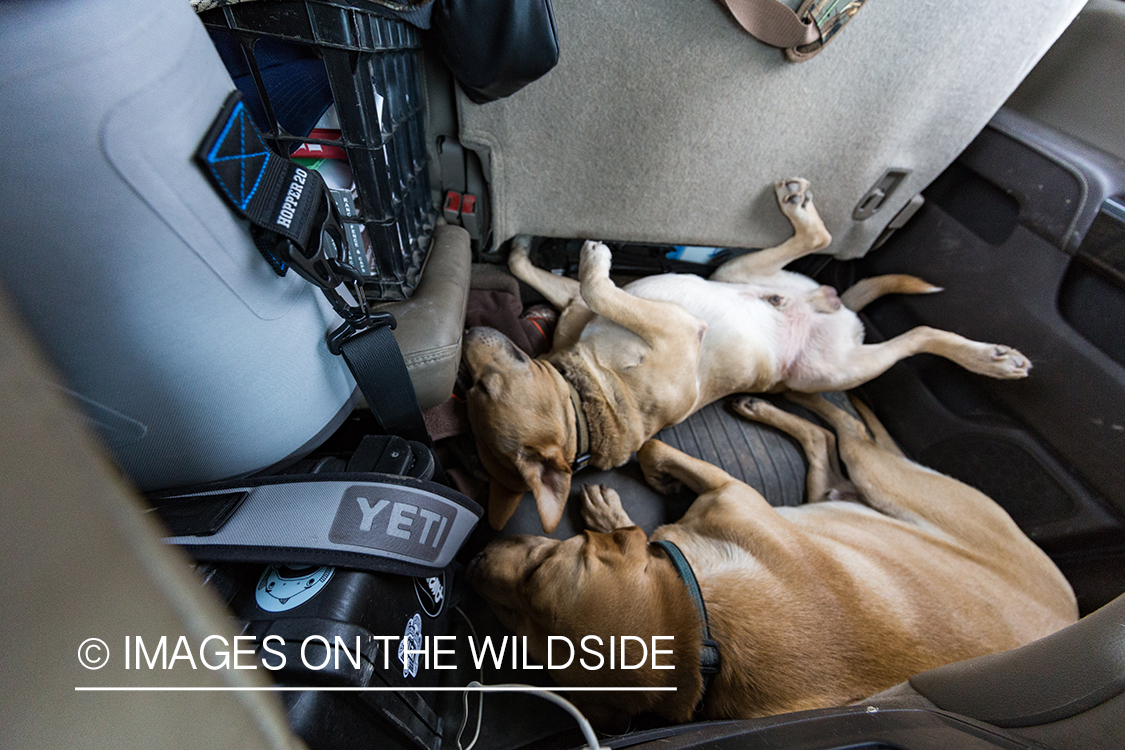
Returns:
(866, 291)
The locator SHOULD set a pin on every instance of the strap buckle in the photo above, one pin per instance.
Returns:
(349, 330)
(322, 264)
(711, 660)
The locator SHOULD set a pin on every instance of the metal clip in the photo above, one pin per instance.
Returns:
(323, 264)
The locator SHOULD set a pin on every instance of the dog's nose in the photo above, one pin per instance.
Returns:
(492, 341)
(479, 335)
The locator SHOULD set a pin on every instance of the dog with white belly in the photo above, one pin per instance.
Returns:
(628, 362)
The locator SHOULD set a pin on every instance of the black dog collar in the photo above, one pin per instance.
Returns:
(710, 660)
(582, 454)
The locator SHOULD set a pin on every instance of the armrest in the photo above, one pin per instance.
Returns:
(431, 322)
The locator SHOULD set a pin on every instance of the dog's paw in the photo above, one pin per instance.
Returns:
(998, 361)
(750, 407)
(521, 247)
(594, 261)
(601, 509)
(651, 459)
(793, 194)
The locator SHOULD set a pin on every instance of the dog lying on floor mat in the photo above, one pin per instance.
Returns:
(629, 362)
(814, 606)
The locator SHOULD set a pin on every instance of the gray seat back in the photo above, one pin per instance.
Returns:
(665, 122)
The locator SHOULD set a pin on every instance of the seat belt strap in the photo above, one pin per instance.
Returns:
(773, 22)
(375, 522)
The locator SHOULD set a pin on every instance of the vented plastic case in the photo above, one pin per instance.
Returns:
(373, 66)
(353, 629)
(189, 355)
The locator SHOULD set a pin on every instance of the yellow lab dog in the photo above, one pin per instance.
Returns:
(629, 362)
(813, 606)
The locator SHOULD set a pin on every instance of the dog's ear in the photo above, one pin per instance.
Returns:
(502, 503)
(549, 480)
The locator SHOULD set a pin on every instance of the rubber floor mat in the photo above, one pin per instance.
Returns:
(764, 458)
(760, 456)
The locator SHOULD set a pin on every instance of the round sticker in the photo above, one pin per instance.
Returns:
(431, 593)
(283, 587)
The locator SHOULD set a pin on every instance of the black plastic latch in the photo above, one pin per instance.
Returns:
(874, 198)
(197, 515)
(375, 319)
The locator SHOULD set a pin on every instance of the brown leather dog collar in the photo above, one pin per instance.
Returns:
(582, 453)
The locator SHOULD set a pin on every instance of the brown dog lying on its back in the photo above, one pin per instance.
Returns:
(814, 606)
(629, 362)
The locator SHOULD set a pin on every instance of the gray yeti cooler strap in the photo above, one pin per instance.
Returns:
(375, 522)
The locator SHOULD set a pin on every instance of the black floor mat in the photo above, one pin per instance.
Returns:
(765, 459)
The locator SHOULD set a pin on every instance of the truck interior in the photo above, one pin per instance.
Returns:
(146, 347)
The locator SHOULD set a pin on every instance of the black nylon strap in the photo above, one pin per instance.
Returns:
(376, 363)
(275, 194)
(285, 204)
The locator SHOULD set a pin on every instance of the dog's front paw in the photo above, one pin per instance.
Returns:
(651, 458)
(601, 509)
(594, 261)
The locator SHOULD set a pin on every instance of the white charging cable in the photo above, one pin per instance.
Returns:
(583, 723)
(465, 695)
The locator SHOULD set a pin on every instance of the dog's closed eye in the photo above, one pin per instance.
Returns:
(515, 352)
(489, 385)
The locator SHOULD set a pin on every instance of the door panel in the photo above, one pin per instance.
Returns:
(1023, 234)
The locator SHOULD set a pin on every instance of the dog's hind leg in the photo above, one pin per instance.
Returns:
(883, 438)
(810, 235)
(601, 509)
(903, 489)
(880, 477)
(860, 363)
(825, 480)
(560, 291)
